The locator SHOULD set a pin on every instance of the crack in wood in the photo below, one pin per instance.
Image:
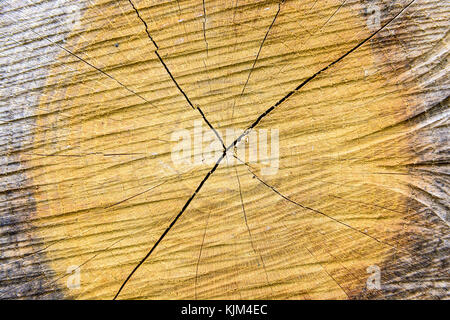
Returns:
(257, 56)
(245, 133)
(145, 23)
(324, 214)
(173, 78)
(204, 28)
(249, 231)
(96, 68)
(200, 255)
(326, 271)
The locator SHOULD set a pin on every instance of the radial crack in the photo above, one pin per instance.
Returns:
(200, 254)
(210, 172)
(324, 214)
(212, 128)
(326, 271)
(173, 78)
(204, 27)
(134, 196)
(145, 23)
(248, 229)
(257, 56)
(245, 133)
(331, 17)
(306, 81)
(314, 210)
(96, 68)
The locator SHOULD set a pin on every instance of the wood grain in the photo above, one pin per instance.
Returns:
(93, 91)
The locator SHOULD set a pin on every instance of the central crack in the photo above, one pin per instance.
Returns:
(245, 133)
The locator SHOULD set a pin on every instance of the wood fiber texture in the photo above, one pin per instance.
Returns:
(95, 93)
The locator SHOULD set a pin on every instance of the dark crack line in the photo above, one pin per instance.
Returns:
(60, 240)
(257, 56)
(173, 78)
(309, 208)
(159, 57)
(286, 228)
(324, 214)
(301, 85)
(212, 128)
(145, 24)
(246, 132)
(96, 68)
(210, 172)
(189, 101)
(64, 275)
(331, 17)
(314, 210)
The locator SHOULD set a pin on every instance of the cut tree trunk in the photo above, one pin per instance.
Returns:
(224, 149)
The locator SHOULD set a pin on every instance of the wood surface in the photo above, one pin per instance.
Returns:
(93, 91)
